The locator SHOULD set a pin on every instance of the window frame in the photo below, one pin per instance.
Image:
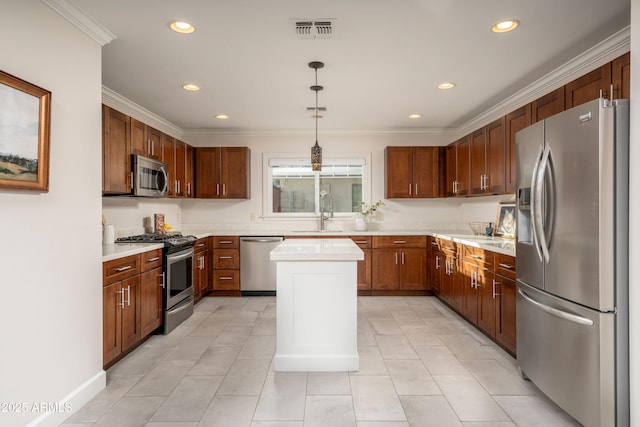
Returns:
(363, 159)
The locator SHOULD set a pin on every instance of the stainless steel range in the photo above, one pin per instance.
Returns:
(178, 275)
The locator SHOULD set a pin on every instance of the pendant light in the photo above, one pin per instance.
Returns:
(316, 150)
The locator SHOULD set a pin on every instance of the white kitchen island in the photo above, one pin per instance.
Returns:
(316, 295)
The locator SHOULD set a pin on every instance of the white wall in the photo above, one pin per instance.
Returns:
(634, 214)
(50, 252)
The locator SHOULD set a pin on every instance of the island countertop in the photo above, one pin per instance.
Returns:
(317, 250)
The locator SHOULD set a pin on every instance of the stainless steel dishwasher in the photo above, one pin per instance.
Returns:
(257, 271)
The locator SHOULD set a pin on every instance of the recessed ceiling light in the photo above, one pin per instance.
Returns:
(505, 26)
(222, 117)
(182, 27)
(415, 116)
(446, 85)
(191, 87)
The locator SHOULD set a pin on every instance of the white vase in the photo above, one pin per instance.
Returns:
(361, 224)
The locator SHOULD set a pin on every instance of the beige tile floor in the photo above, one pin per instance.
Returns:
(420, 365)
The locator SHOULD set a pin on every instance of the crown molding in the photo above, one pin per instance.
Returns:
(122, 104)
(78, 17)
(598, 55)
(305, 133)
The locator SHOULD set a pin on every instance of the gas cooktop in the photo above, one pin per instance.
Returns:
(169, 240)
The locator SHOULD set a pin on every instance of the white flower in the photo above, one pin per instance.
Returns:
(369, 210)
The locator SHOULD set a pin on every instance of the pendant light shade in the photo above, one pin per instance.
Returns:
(316, 150)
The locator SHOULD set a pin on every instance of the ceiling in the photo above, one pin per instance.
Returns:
(382, 62)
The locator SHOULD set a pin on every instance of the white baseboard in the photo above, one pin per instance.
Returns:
(74, 400)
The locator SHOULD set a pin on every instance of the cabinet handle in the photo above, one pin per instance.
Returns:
(153, 259)
(202, 263)
(163, 281)
(225, 242)
(189, 188)
(129, 295)
(396, 258)
(437, 263)
(121, 303)
(494, 293)
(361, 242)
(217, 189)
(416, 189)
(447, 267)
(179, 187)
(200, 245)
(225, 277)
(131, 179)
(475, 256)
(507, 266)
(399, 242)
(225, 257)
(410, 189)
(224, 189)
(402, 258)
(121, 269)
(153, 148)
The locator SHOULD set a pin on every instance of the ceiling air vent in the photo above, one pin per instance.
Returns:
(314, 29)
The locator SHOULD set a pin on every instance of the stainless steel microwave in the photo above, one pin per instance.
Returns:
(150, 177)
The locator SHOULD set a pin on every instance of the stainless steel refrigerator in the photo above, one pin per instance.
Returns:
(572, 260)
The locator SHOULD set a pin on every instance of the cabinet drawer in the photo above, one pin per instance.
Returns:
(448, 247)
(150, 260)
(226, 280)
(121, 268)
(226, 242)
(363, 241)
(226, 259)
(478, 257)
(200, 245)
(506, 266)
(380, 242)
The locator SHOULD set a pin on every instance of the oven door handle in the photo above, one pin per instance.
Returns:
(179, 256)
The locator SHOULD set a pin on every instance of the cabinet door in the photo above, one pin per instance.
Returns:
(514, 122)
(116, 161)
(385, 269)
(495, 157)
(188, 172)
(457, 284)
(154, 137)
(131, 322)
(207, 175)
(477, 158)
(470, 292)
(451, 162)
(180, 154)
(621, 76)
(364, 271)
(436, 267)
(588, 87)
(150, 301)
(487, 303)
(506, 312)
(139, 142)
(168, 157)
(398, 163)
(547, 105)
(446, 278)
(413, 269)
(200, 273)
(235, 173)
(426, 171)
(226, 259)
(111, 322)
(463, 170)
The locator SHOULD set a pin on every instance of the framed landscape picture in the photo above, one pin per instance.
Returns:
(25, 112)
(506, 220)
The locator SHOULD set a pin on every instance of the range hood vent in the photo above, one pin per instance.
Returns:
(314, 28)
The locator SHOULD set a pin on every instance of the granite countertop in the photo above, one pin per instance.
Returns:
(317, 250)
(495, 244)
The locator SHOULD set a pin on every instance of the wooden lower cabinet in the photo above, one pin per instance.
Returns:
(111, 322)
(151, 286)
(505, 314)
(131, 321)
(201, 268)
(399, 269)
(364, 266)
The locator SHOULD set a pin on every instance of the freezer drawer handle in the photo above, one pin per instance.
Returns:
(555, 312)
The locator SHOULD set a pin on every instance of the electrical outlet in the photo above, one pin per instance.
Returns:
(252, 217)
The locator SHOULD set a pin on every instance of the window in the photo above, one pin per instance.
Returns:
(293, 189)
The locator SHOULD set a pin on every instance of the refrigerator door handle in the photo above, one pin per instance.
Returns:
(555, 312)
(536, 203)
(542, 238)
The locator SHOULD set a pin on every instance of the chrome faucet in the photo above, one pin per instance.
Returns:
(324, 214)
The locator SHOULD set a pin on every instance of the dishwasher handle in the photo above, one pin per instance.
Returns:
(261, 239)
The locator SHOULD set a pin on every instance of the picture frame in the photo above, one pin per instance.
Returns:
(25, 123)
(506, 220)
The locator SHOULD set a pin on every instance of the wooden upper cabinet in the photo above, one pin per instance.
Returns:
(514, 122)
(495, 157)
(451, 166)
(188, 172)
(621, 76)
(478, 160)
(223, 172)
(547, 105)
(588, 87)
(168, 157)
(180, 162)
(463, 160)
(116, 161)
(145, 140)
(412, 172)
